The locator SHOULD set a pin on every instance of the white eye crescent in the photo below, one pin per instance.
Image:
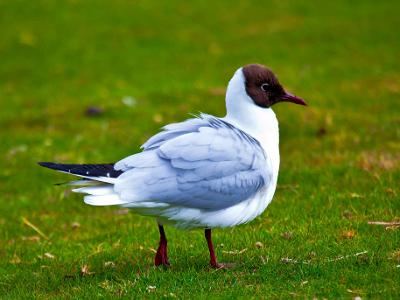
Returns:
(264, 87)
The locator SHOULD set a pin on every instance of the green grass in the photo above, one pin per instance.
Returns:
(339, 157)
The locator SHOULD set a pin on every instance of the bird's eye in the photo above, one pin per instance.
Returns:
(264, 86)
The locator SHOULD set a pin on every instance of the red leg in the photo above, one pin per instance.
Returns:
(161, 256)
(213, 259)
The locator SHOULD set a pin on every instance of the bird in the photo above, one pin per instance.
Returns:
(205, 172)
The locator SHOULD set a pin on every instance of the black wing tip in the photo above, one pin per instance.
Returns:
(53, 166)
(46, 164)
(84, 170)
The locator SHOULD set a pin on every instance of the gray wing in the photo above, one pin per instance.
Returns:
(202, 163)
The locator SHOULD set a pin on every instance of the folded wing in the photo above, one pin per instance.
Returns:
(202, 163)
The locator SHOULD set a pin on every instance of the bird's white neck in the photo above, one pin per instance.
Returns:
(259, 122)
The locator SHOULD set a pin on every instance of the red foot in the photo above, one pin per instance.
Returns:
(161, 256)
(215, 265)
(213, 259)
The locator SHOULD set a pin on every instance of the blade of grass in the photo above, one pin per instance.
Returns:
(34, 227)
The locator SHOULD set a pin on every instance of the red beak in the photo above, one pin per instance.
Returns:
(292, 98)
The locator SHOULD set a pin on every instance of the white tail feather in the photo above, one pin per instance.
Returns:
(104, 200)
(95, 190)
(101, 195)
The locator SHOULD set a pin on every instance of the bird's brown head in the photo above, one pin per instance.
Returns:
(264, 88)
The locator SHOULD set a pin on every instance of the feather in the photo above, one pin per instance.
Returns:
(191, 167)
(84, 170)
(103, 200)
(95, 190)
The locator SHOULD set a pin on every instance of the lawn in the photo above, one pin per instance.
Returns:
(90, 81)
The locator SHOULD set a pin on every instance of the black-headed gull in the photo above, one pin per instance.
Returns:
(205, 172)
